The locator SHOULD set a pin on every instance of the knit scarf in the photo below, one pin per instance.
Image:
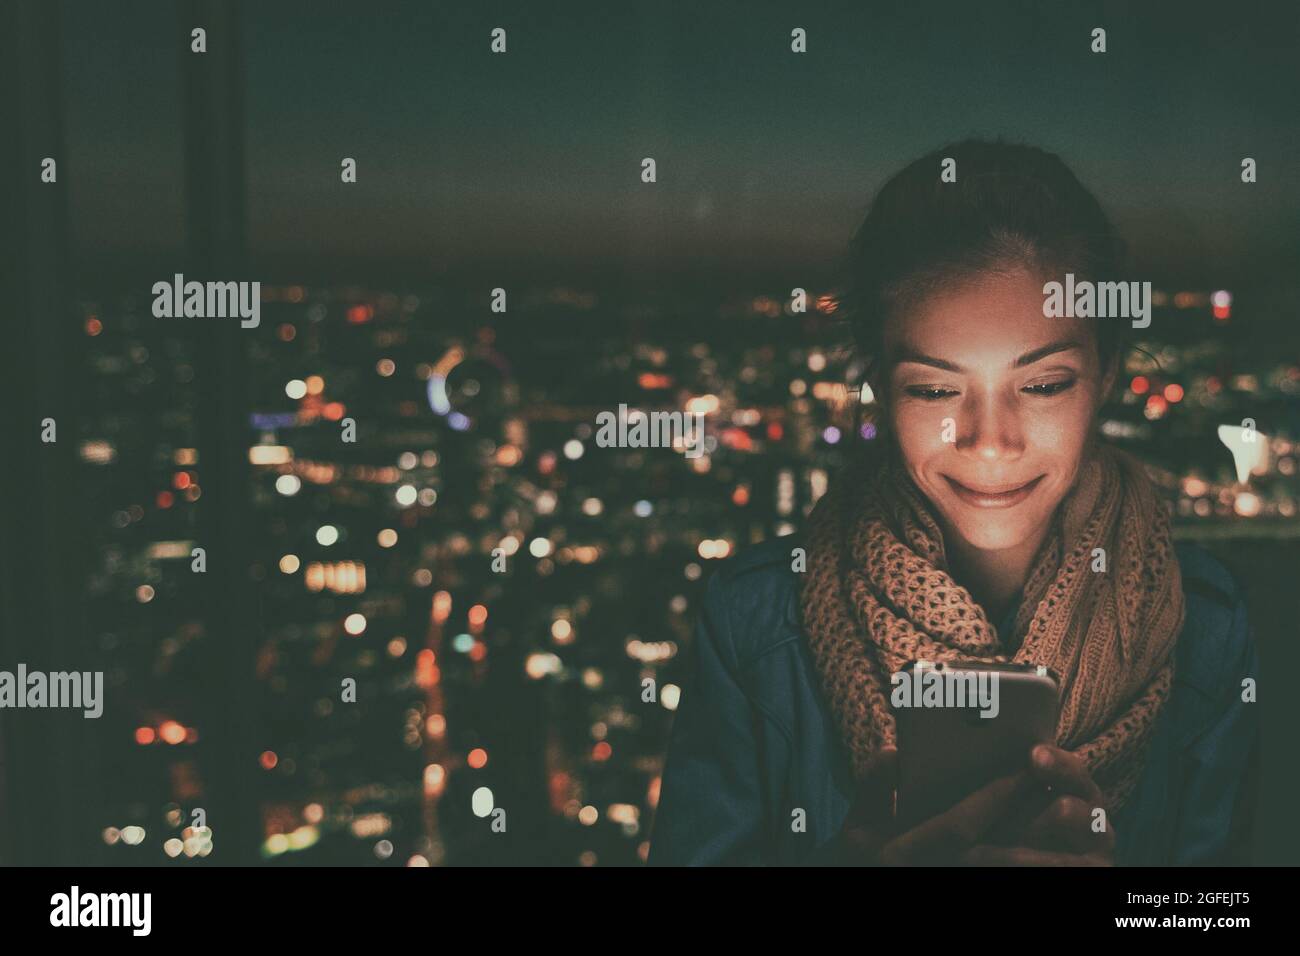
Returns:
(878, 596)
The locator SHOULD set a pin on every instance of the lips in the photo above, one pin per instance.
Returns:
(993, 496)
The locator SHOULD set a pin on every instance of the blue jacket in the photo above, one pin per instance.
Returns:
(753, 738)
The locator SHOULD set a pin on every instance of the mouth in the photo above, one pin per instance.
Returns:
(1004, 496)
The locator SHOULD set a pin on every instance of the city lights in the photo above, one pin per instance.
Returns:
(486, 555)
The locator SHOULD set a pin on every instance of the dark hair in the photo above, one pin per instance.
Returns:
(1011, 205)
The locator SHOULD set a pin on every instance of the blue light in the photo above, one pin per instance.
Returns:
(270, 421)
(437, 390)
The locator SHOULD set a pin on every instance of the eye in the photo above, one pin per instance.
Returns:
(930, 393)
(1050, 388)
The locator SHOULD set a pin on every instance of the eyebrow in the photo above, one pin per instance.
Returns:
(1029, 358)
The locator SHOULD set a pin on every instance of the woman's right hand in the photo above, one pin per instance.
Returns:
(868, 838)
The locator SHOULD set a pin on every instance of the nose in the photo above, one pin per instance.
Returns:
(990, 429)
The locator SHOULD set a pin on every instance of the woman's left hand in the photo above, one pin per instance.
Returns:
(1069, 831)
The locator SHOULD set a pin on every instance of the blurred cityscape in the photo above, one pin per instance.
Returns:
(497, 586)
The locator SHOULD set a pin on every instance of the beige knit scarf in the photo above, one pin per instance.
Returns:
(877, 596)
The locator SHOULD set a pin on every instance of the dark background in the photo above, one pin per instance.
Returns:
(522, 171)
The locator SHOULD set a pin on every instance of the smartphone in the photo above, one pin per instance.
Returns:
(963, 723)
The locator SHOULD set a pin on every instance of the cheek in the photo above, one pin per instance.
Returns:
(919, 433)
(1058, 436)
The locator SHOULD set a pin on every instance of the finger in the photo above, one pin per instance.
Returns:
(985, 855)
(1021, 812)
(1066, 824)
(1064, 772)
(952, 832)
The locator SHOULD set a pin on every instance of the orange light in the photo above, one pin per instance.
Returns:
(181, 480)
(144, 735)
(441, 607)
(268, 760)
(94, 326)
(477, 758)
(1140, 385)
(286, 332)
(477, 615)
(478, 652)
(774, 431)
(172, 732)
(602, 751)
(426, 674)
(435, 780)
(1174, 392)
(164, 499)
(360, 313)
(738, 439)
(333, 411)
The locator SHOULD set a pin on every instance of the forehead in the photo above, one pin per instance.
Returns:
(992, 318)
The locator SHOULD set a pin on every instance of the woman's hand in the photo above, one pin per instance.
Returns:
(1069, 831)
(1060, 832)
(868, 837)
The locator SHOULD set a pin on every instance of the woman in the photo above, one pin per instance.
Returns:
(976, 536)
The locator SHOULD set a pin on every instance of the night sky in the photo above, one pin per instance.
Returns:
(767, 160)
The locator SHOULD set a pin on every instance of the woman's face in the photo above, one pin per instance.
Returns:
(992, 405)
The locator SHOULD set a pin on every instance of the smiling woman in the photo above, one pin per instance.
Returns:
(991, 408)
(995, 528)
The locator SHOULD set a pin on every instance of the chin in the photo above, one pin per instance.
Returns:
(986, 521)
(992, 534)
